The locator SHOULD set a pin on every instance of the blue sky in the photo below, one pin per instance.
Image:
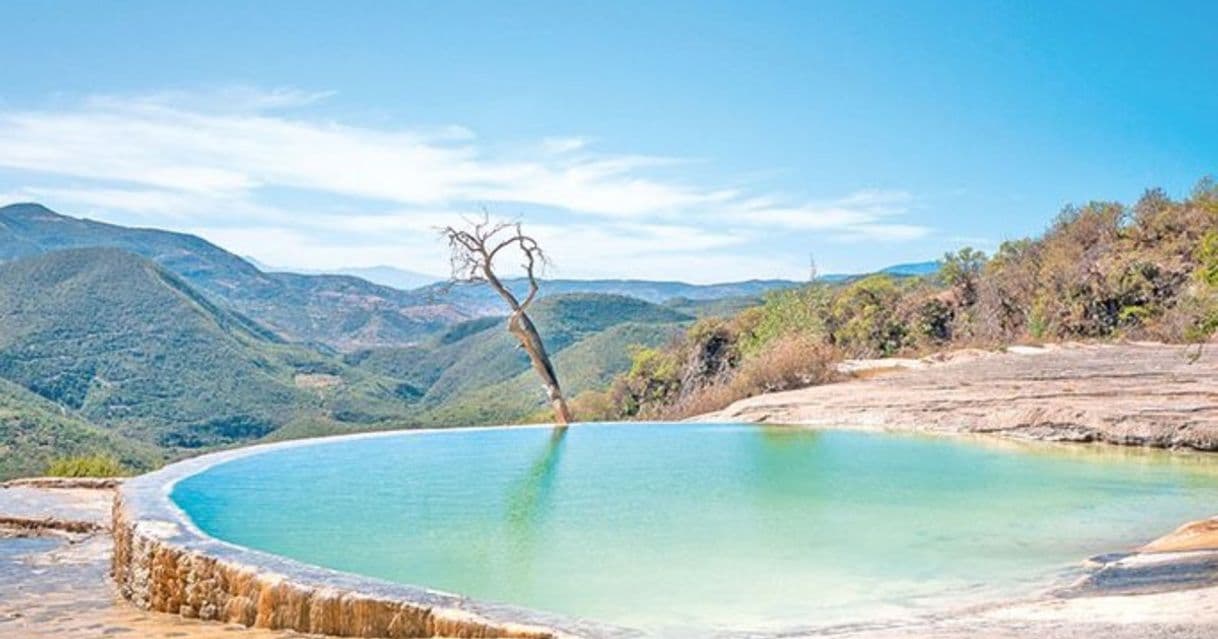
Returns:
(699, 141)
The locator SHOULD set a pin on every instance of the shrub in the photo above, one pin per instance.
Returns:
(864, 318)
(86, 466)
(591, 406)
(785, 312)
(1207, 259)
(792, 361)
(962, 272)
(934, 321)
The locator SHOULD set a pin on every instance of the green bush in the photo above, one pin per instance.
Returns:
(787, 312)
(864, 318)
(1207, 259)
(86, 466)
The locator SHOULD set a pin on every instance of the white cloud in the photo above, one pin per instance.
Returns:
(252, 171)
(155, 142)
(227, 98)
(860, 215)
(563, 145)
(284, 247)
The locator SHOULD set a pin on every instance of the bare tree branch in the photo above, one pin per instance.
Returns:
(473, 250)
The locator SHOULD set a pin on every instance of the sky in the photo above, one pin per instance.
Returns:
(700, 141)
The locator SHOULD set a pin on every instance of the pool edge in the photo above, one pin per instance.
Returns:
(162, 562)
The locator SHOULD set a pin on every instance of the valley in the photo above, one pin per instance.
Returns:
(147, 345)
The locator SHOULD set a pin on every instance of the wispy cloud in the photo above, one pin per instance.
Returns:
(219, 162)
(863, 214)
(563, 145)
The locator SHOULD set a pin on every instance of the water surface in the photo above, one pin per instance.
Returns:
(684, 530)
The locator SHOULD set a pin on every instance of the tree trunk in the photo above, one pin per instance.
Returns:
(522, 327)
(473, 260)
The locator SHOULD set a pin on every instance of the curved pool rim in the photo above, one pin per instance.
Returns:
(151, 531)
(145, 514)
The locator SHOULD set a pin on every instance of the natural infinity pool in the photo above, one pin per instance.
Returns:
(683, 530)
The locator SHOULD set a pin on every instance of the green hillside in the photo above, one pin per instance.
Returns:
(475, 372)
(118, 341)
(588, 364)
(102, 350)
(338, 310)
(476, 299)
(34, 431)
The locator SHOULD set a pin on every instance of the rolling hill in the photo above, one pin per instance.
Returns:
(912, 269)
(343, 312)
(340, 311)
(116, 340)
(34, 431)
(475, 373)
(102, 350)
(473, 299)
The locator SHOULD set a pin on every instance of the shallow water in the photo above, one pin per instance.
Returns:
(683, 530)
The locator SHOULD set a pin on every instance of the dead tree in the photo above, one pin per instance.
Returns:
(473, 260)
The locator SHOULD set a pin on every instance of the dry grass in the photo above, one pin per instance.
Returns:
(789, 362)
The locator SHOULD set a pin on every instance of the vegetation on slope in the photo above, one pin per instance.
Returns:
(340, 311)
(477, 299)
(337, 310)
(118, 341)
(97, 465)
(1100, 271)
(586, 365)
(35, 431)
(473, 373)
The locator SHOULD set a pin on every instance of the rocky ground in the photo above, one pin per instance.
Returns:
(1126, 394)
(54, 582)
(1135, 394)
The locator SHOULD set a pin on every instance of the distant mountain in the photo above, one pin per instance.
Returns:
(913, 269)
(390, 276)
(338, 310)
(474, 299)
(117, 340)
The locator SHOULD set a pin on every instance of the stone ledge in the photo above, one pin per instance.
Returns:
(95, 483)
(161, 562)
(49, 523)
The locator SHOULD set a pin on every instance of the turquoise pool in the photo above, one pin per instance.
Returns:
(690, 529)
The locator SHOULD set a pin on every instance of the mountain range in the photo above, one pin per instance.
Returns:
(390, 276)
(148, 344)
(342, 312)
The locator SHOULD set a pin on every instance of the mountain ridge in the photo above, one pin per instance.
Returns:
(119, 341)
(343, 312)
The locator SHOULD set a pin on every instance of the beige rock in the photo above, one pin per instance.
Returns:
(1196, 535)
(155, 574)
(1132, 394)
